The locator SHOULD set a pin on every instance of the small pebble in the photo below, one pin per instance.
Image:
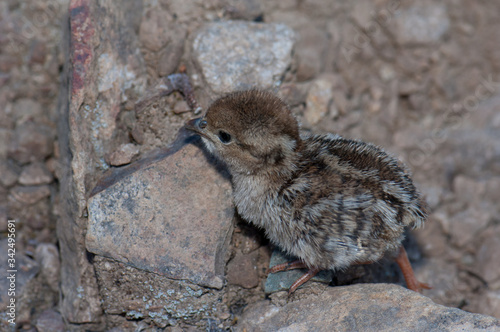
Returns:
(123, 155)
(35, 174)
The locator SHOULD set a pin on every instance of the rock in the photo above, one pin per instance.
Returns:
(431, 239)
(443, 277)
(35, 174)
(5, 136)
(491, 304)
(465, 225)
(138, 294)
(3, 218)
(8, 62)
(242, 270)
(155, 29)
(26, 110)
(421, 23)
(31, 142)
(47, 256)
(309, 51)
(9, 173)
(282, 281)
(318, 100)
(38, 52)
(376, 307)
(36, 216)
(163, 38)
(123, 155)
(172, 53)
(102, 75)
(249, 10)
(26, 271)
(31, 205)
(488, 260)
(238, 55)
(50, 321)
(179, 208)
(294, 94)
(467, 190)
(30, 194)
(181, 107)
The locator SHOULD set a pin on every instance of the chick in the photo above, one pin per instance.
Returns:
(329, 201)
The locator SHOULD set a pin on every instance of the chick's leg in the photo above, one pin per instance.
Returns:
(298, 264)
(405, 266)
(302, 280)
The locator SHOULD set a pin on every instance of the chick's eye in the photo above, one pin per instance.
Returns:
(224, 137)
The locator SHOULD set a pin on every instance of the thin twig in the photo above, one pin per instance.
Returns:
(167, 85)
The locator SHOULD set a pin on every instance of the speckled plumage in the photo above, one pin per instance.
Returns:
(329, 201)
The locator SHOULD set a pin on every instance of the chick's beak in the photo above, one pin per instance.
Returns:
(197, 125)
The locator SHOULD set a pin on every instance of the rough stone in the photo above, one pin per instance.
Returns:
(50, 321)
(47, 256)
(309, 51)
(3, 218)
(5, 136)
(282, 281)
(248, 10)
(465, 225)
(421, 23)
(9, 173)
(179, 207)
(35, 174)
(26, 271)
(36, 216)
(170, 56)
(318, 100)
(377, 307)
(491, 303)
(442, 276)
(431, 238)
(148, 295)
(31, 142)
(26, 109)
(155, 29)
(488, 260)
(103, 73)
(229, 62)
(37, 53)
(30, 194)
(123, 155)
(242, 270)
(293, 94)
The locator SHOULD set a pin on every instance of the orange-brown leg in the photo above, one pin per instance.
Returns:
(302, 280)
(298, 264)
(405, 266)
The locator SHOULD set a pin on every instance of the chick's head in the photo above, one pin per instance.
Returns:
(252, 131)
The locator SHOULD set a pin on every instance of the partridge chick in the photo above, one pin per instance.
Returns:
(329, 201)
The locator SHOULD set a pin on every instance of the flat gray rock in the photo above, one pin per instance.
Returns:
(171, 216)
(421, 23)
(362, 307)
(229, 62)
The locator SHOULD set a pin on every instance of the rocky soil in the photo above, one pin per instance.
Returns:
(421, 79)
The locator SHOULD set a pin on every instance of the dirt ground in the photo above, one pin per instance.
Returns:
(419, 79)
